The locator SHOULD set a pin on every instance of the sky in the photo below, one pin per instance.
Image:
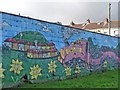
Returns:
(63, 11)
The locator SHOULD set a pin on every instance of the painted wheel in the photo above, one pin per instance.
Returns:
(62, 52)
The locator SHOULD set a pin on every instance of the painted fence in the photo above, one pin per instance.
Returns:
(44, 51)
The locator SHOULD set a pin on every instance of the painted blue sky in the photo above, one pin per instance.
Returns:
(12, 25)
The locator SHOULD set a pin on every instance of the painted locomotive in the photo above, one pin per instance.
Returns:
(77, 50)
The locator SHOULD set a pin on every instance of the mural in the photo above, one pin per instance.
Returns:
(37, 47)
(39, 51)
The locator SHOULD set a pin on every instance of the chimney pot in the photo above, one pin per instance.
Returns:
(88, 20)
(72, 23)
(106, 20)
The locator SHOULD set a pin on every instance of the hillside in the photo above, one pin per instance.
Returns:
(31, 36)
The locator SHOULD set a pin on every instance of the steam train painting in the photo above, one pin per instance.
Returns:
(75, 53)
(78, 53)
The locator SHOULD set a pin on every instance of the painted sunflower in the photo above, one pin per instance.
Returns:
(77, 70)
(1, 71)
(16, 66)
(68, 71)
(52, 66)
(35, 71)
(105, 63)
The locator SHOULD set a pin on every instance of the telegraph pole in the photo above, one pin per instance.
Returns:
(109, 17)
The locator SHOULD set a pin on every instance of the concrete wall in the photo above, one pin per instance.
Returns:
(45, 51)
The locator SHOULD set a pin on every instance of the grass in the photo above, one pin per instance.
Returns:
(107, 79)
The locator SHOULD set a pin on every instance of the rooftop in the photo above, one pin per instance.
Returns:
(96, 25)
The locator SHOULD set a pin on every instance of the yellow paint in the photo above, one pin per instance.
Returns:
(26, 47)
(35, 71)
(62, 52)
(16, 66)
(15, 46)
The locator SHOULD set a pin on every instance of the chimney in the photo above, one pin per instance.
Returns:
(72, 23)
(59, 22)
(106, 21)
(21, 35)
(35, 43)
(88, 20)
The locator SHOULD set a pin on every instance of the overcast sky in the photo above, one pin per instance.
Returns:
(63, 11)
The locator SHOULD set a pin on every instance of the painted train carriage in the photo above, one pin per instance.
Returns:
(46, 52)
(76, 52)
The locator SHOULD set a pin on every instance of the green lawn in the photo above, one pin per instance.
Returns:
(107, 79)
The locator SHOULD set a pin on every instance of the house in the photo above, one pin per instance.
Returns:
(15, 44)
(39, 55)
(21, 45)
(44, 55)
(51, 45)
(27, 45)
(99, 27)
(32, 46)
(39, 46)
(30, 54)
(8, 42)
(34, 50)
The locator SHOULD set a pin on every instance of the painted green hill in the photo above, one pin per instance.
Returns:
(31, 36)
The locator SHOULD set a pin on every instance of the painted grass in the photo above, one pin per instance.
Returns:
(107, 79)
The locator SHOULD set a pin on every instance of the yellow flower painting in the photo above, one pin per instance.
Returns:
(35, 71)
(16, 66)
(52, 66)
(1, 71)
(68, 71)
(77, 70)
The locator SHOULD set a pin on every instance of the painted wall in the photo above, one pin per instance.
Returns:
(44, 51)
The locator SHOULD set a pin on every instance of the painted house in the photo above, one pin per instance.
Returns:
(27, 45)
(21, 45)
(34, 50)
(8, 42)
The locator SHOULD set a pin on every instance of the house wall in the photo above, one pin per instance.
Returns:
(113, 32)
(97, 30)
(99, 50)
